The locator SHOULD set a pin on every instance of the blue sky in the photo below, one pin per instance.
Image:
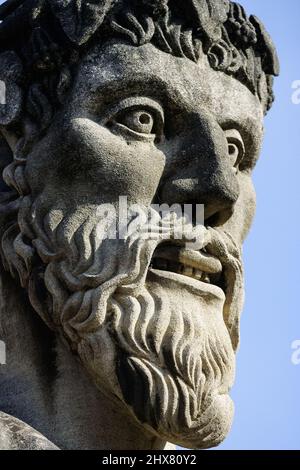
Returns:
(267, 390)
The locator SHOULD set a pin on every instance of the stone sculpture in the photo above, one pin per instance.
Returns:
(125, 343)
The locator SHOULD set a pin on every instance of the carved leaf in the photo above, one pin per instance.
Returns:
(270, 60)
(211, 15)
(80, 18)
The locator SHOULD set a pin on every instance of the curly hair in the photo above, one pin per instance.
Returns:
(42, 42)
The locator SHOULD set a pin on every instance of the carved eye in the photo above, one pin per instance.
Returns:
(137, 118)
(236, 147)
(141, 121)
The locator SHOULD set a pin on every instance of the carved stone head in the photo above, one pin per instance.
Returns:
(161, 101)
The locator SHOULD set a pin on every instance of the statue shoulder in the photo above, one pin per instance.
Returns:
(17, 435)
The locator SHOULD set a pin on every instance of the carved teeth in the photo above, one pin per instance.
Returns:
(165, 265)
(198, 274)
(187, 271)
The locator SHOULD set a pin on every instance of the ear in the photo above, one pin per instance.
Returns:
(11, 95)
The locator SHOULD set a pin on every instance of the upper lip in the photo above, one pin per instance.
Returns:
(199, 265)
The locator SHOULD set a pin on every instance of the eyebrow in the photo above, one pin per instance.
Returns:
(170, 97)
(153, 86)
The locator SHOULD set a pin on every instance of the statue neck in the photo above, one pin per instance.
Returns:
(45, 386)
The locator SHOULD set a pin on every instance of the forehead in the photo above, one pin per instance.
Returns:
(115, 68)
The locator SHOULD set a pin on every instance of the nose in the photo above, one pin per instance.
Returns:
(199, 171)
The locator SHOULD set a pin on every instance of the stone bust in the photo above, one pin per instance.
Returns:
(125, 342)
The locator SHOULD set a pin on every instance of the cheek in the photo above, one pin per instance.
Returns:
(116, 166)
(85, 157)
(240, 222)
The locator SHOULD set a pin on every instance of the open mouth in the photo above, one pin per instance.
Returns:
(197, 265)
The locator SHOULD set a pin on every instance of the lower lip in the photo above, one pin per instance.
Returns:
(203, 287)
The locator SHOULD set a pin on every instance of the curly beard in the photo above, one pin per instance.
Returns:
(165, 352)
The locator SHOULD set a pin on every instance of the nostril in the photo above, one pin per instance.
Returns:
(217, 218)
(212, 197)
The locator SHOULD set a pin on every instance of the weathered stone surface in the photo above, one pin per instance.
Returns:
(16, 435)
(125, 342)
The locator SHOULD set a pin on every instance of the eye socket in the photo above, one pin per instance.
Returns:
(236, 147)
(137, 117)
(138, 120)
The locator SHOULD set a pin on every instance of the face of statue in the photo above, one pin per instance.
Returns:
(155, 324)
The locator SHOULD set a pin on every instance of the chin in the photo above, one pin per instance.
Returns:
(213, 427)
(174, 363)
